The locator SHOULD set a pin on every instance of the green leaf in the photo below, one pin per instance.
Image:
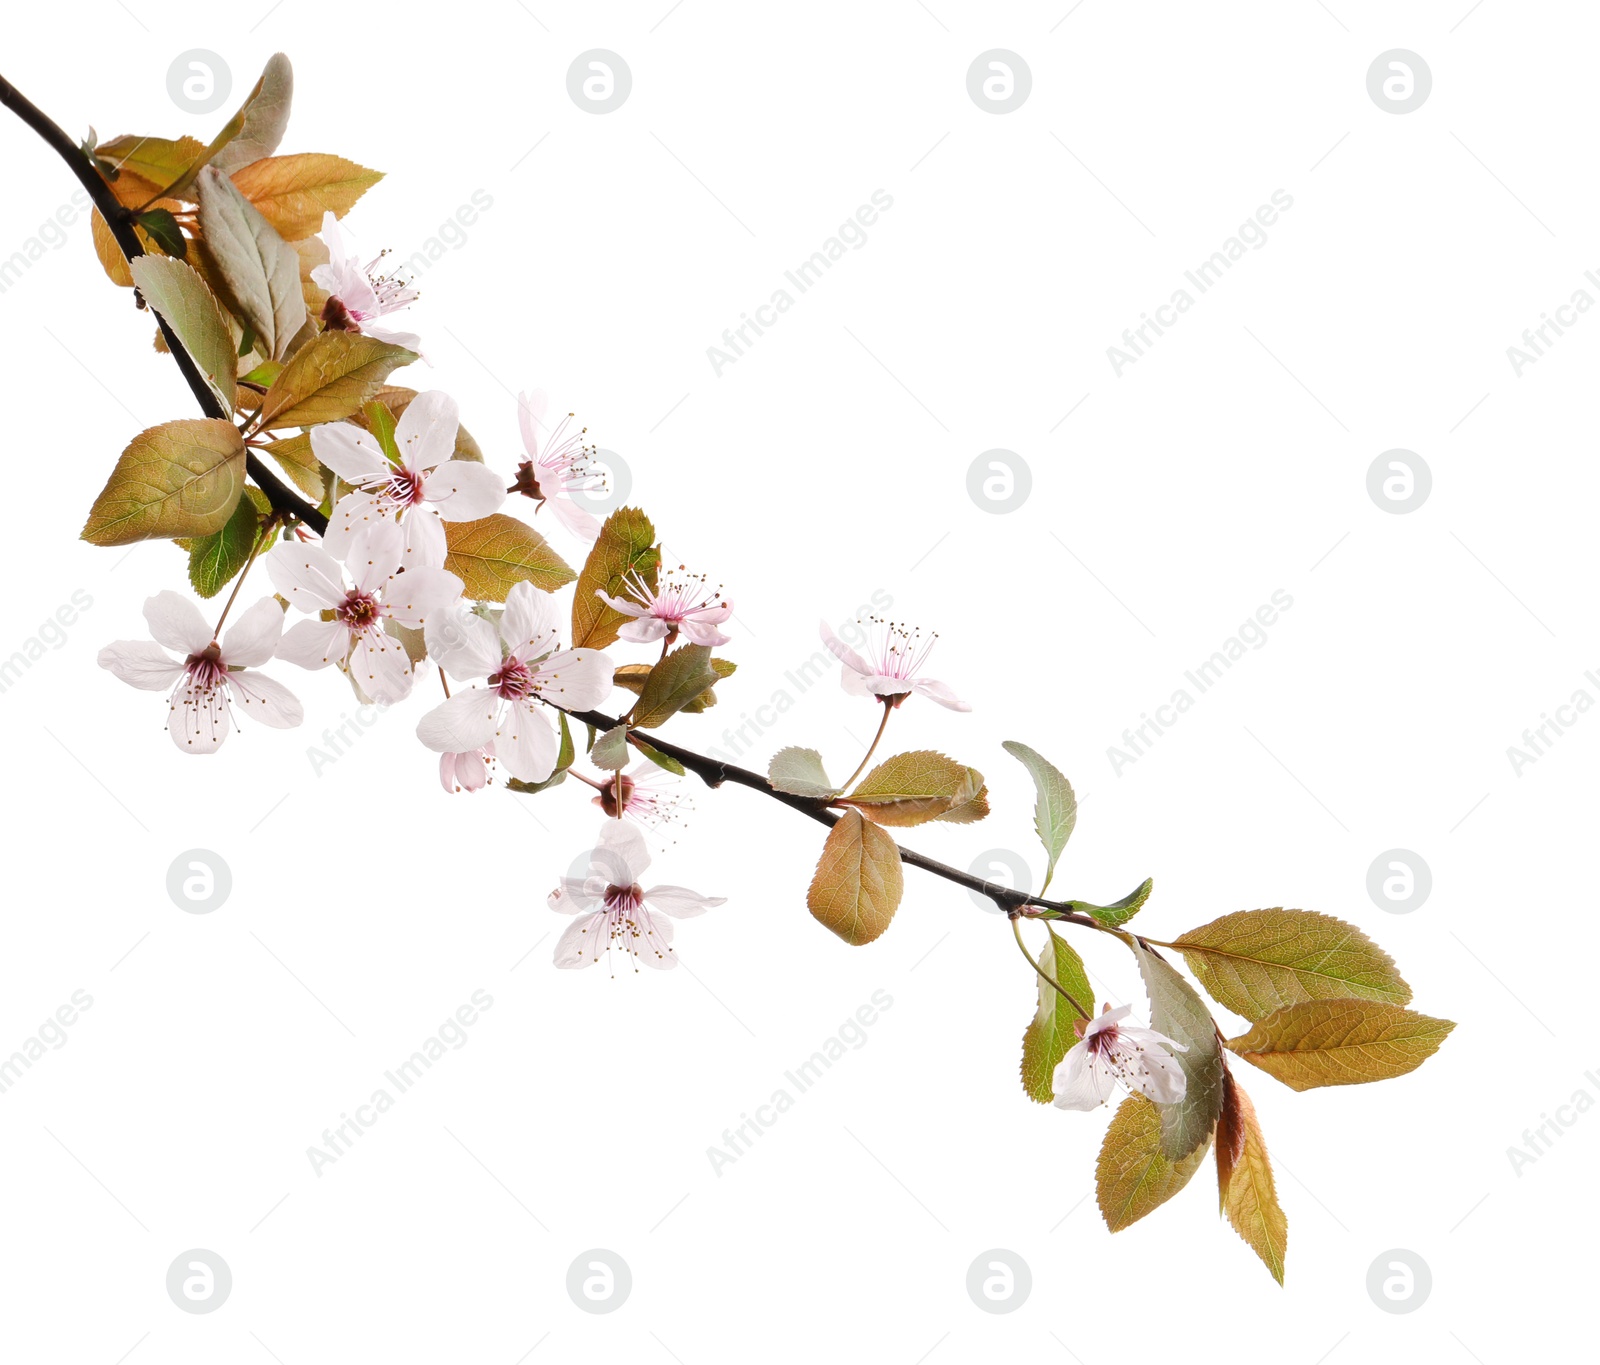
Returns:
(673, 683)
(145, 165)
(329, 379)
(1134, 1175)
(799, 772)
(626, 546)
(164, 231)
(913, 788)
(1118, 912)
(1055, 811)
(660, 759)
(215, 559)
(1340, 1042)
(1177, 1011)
(611, 749)
(179, 479)
(1244, 1177)
(858, 882)
(496, 552)
(634, 676)
(380, 422)
(177, 292)
(1051, 1035)
(1256, 961)
(255, 270)
(530, 788)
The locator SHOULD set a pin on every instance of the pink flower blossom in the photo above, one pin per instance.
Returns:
(421, 492)
(357, 296)
(564, 466)
(466, 772)
(355, 639)
(209, 678)
(647, 795)
(1113, 1051)
(897, 654)
(521, 668)
(681, 605)
(614, 911)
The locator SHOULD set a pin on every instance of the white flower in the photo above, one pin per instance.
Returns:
(552, 475)
(898, 654)
(423, 491)
(621, 913)
(210, 677)
(356, 296)
(355, 639)
(521, 668)
(1112, 1051)
(682, 605)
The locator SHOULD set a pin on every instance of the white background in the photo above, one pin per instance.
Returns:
(828, 462)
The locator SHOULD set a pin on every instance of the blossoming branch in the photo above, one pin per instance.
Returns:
(397, 559)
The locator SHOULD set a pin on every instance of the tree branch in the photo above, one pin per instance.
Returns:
(120, 221)
(714, 772)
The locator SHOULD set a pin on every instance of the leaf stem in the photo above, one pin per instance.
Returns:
(1016, 929)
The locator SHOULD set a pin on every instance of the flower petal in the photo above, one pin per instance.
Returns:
(525, 741)
(680, 902)
(176, 622)
(352, 516)
(530, 415)
(702, 633)
(462, 722)
(381, 551)
(352, 452)
(1080, 1081)
(462, 643)
(307, 577)
(573, 894)
(579, 522)
(528, 625)
(937, 691)
(425, 545)
(843, 653)
(198, 720)
(583, 942)
(426, 431)
(575, 679)
(620, 854)
(464, 490)
(141, 663)
(315, 644)
(419, 592)
(266, 699)
(253, 637)
(379, 667)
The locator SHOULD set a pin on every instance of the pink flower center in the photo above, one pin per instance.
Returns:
(514, 681)
(359, 611)
(206, 670)
(1104, 1041)
(624, 900)
(404, 488)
